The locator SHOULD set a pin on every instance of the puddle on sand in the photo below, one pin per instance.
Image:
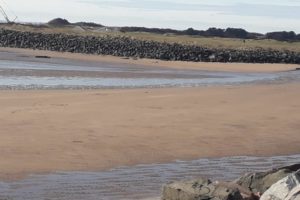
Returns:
(139, 182)
(78, 75)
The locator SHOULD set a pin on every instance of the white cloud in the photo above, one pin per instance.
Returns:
(255, 15)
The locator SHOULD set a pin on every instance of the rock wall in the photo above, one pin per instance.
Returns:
(276, 184)
(128, 47)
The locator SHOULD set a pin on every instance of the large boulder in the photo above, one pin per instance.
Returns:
(201, 189)
(262, 181)
(287, 188)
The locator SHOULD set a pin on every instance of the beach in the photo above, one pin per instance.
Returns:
(99, 104)
(209, 66)
(45, 131)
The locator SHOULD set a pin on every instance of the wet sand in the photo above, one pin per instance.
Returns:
(35, 73)
(229, 67)
(92, 130)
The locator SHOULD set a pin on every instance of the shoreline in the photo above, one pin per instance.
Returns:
(9, 178)
(206, 66)
(91, 130)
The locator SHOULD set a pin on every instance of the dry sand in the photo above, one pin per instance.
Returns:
(45, 131)
(231, 67)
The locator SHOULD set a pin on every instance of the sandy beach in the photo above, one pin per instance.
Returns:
(46, 131)
(53, 130)
(125, 100)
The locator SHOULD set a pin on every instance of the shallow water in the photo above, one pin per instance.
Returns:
(139, 182)
(66, 74)
(31, 82)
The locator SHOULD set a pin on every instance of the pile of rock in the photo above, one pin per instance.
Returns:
(278, 184)
(129, 47)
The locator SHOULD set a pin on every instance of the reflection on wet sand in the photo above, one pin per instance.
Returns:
(62, 75)
(18, 71)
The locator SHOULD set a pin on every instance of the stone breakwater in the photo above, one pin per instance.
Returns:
(129, 47)
(277, 184)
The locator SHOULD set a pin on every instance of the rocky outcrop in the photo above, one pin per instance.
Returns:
(262, 181)
(273, 185)
(287, 188)
(198, 190)
(129, 47)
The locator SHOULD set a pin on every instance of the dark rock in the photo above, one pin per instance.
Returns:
(42, 56)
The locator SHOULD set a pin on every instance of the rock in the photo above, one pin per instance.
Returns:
(287, 188)
(43, 57)
(260, 182)
(130, 47)
(277, 184)
(201, 189)
(294, 194)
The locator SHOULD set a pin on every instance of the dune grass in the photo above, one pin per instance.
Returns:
(220, 42)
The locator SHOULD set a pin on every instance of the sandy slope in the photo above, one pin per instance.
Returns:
(43, 131)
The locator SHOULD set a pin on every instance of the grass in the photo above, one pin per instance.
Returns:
(220, 42)
(188, 40)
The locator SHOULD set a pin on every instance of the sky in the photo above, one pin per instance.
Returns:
(256, 15)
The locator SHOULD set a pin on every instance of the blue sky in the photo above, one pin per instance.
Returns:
(255, 15)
